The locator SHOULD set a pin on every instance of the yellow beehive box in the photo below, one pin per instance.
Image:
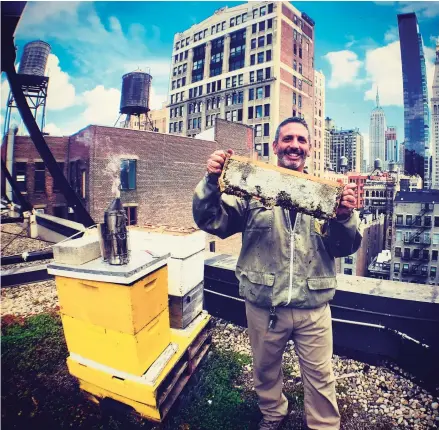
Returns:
(150, 399)
(132, 353)
(115, 306)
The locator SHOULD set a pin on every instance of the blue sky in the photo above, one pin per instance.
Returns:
(95, 43)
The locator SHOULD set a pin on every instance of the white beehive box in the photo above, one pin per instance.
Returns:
(186, 265)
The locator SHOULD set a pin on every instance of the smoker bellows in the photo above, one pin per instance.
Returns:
(277, 186)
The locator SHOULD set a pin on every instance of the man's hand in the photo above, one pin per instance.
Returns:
(216, 161)
(348, 202)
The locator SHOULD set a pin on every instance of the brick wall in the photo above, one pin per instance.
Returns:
(25, 151)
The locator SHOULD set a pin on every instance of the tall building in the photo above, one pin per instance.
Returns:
(329, 127)
(391, 147)
(349, 144)
(416, 237)
(252, 63)
(435, 120)
(377, 128)
(318, 153)
(417, 159)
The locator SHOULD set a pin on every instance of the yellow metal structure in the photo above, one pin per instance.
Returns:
(122, 308)
(150, 400)
(132, 353)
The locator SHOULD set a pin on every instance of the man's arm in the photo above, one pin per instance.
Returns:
(217, 214)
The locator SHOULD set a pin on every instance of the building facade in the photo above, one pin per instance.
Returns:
(371, 228)
(359, 180)
(377, 128)
(415, 244)
(417, 157)
(329, 127)
(155, 120)
(349, 144)
(318, 152)
(251, 63)
(435, 120)
(391, 147)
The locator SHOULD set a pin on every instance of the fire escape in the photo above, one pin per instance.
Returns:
(420, 254)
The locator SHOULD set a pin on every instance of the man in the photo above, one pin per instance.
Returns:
(286, 272)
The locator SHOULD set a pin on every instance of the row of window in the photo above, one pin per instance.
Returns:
(415, 269)
(221, 26)
(416, 221)
(258, 111)
(180, 69)
(262, 148)
(176, 127)
(175, 112)
(181, 56)
(234, 115)
(259, 93)
(416, 254)
(178, 83)
(261, 41)
(261, 57)
(409, 237)
(262, 26)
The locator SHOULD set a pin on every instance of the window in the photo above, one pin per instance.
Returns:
(300, 68)
(427, 221)
(396, 267)
(294, 64)
(267, 90)
(270, 23)
(253, 44)
(435, 238)
(418, 220)
(252, 60)
(55, 184)
(254, 28)
(397, 252)
(262, 26)
(399, 220)
(269, 39)
(433, 272)
(261, 41)
(251, 94)
(405, 268)
(268, 55)
(258, 111)
(259, 92)
(436, 221)
(266, 148)
(270, 8)
(252, 77)
(260, 57)
(347, 271)
(128, 174)
(20, 176)
(266, 129)
(260, 75)
(267, 73)
(250, 112)
(267, 110)
(258, 130)
(349, 260)
(434, 255)
(131, 213)
(40, 177)
(263, 11)
(408, 220)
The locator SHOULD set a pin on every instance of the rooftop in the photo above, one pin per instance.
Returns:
(418, 196)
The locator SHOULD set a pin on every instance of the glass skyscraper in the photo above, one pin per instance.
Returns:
(417, 159)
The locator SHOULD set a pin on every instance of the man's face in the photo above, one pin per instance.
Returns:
(292, 147)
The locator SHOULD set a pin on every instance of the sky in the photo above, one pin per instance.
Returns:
(95, 43)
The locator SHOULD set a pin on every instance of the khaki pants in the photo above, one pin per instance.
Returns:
(311, 332)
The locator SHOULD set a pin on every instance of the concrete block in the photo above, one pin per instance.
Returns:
(277, 186)
(77, 251)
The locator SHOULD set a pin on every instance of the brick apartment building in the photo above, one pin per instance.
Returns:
(158, 172)
(252, 63)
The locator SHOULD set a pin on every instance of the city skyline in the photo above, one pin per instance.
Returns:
(86, 79)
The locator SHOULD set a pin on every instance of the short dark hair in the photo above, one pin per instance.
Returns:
(293, 119)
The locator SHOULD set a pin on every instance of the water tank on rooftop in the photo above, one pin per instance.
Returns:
(34, 58)
(378, 164)
(135, 93)
(343, 162)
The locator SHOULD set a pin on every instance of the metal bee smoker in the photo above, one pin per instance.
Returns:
(113, 234)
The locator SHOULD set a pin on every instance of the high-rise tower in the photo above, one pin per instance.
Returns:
(435, 120)
(417, 159)
(377, 137)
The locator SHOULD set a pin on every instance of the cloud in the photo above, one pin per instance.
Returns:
(384, 69)
(392, 34)
(52, 129)
(61, 92)
(102, 105)
(352, 41)
(344, 68)
(156, 100)
(423, 9)
(36, 14)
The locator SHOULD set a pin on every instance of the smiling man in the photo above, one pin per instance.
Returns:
(286, 273)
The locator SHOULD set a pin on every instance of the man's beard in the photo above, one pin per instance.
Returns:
(285, 161)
